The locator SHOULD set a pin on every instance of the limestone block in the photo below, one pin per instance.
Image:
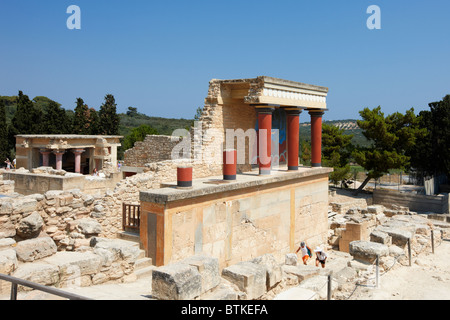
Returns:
(291, 259)
(89, 227)
(380, 237)
(273, 269)
(377, 209)
(178, 281)
(248, 277)
(208, 267)
(6, 207)
(367, 251)
(45, 274)
(122, 250)
(297, 293)
(7, 243)
(399, 236)
(300, 272)
(8, 261)
(24, 205)
(30, 226)
(34, 249)
(74, 265)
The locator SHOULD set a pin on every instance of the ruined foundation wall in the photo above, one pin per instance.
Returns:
(240, 226)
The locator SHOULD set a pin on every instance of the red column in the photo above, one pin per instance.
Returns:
(293, 127)
(316, 137)
(229, 164)
(78, 153)
(265, 140)
(58, 155)
(184, 176)
(45, 157)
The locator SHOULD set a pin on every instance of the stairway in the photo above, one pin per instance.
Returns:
(143, 266)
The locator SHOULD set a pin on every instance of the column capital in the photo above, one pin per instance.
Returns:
(265, 109)
(45, 151)
(316, 112)
(292, 111)
(58, 151)
(78, 151)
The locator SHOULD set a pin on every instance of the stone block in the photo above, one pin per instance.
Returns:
(291, 259)
(24, 205)
(208, 267)
(34, 249)
(377, 209)
(399, 236)
(45, 274)
(89, 227)
(178, 281)
(273, 269)
(319, 285)
(380, 237)
(7, 243)
(300, 272)
(30, 226)
(367, 251)
(8, 261)
(248, 277)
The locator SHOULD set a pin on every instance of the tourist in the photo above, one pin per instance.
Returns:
(14, 163)
(95, 173)
(321, 257)
(8, 164)
(306, 252)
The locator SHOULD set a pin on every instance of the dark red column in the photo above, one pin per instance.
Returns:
(184, 176)
(316, 137)
(229, 164)
(265, 140)
(293, 127)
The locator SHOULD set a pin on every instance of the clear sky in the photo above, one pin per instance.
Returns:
(159, 56)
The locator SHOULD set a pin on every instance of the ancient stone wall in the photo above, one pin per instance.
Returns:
(152, 149)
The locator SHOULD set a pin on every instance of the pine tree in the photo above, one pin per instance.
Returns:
(108, 117)
(392, 137)
(94, 122)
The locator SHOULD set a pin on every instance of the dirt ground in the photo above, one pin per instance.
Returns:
(427, 279)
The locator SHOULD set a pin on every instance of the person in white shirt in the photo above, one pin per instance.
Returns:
(306, 252)
(321, 257)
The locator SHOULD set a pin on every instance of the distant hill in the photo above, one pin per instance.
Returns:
(350, 126)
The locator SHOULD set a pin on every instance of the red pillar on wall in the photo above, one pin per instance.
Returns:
(293, 127)
(45, 157)
(229, 164)
(316, 137)
(265, 140)
(58, 155)
(78, 153)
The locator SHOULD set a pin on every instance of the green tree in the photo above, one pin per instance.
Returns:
(27, 119)
(336, 152)
(108, 117)
(392, 138)
(81, 118)
(55, 120)
(4, 145)
(431, 153)
(94, 122)
(138, 134)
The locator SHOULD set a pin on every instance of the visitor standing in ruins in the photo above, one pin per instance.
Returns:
(8, 164)
(306, 252)
(321, 257)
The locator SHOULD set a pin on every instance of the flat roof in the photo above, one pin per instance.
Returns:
(66, 136)
(211, 185)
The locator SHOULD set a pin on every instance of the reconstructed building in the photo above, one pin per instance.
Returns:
(72, 153)
(267, 209)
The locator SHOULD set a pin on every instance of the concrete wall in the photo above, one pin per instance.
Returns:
(240, 224)
(415, 202)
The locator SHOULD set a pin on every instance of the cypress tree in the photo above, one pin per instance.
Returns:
(108, 117)
(4, 145)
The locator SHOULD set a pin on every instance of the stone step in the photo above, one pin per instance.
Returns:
(129, 236)
(142, 263)
(144, 272)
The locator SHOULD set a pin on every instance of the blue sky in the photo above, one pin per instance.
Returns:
(159, 56)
